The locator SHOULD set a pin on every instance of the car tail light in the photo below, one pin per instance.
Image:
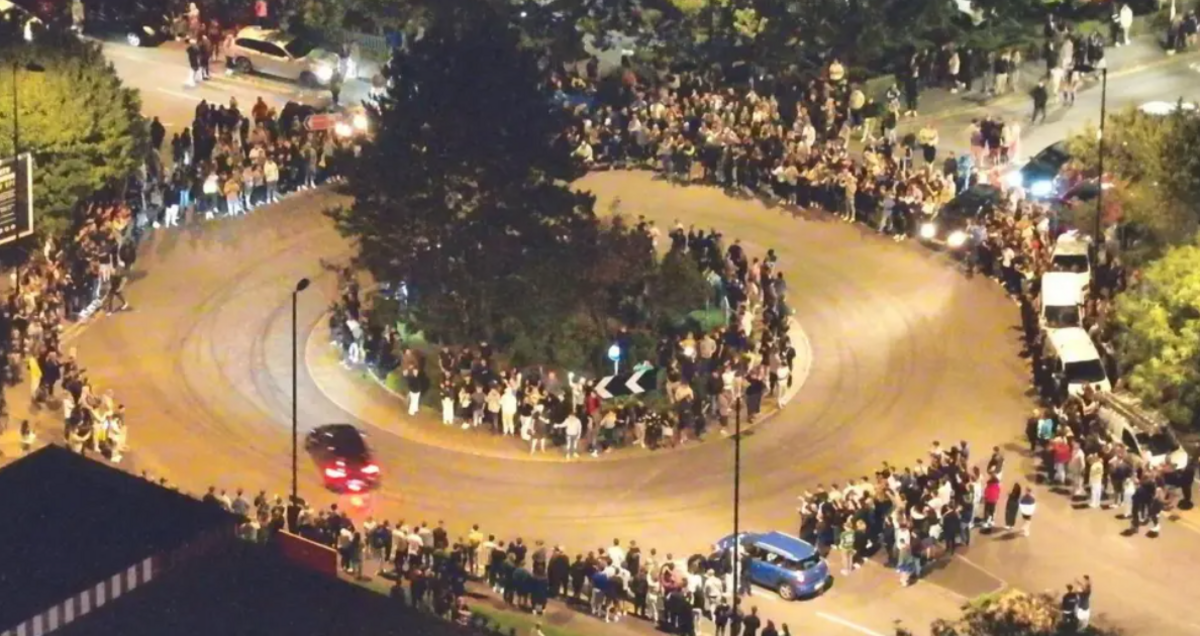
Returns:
(335, 473)
(370, 469)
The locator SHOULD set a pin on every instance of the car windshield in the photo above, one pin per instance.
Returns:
(1088, 371)
(346, 440)
(1157, 443)
(1071, 263)
(1053, 156)
(1060, 316)
(300, 47)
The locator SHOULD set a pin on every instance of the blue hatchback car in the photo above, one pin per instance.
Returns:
(789, 565)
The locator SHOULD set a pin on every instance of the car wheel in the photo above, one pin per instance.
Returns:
(133, 39)
(786, 592)
(243, 65)
(308, 80)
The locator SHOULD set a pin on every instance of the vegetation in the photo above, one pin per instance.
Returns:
(82, 125)
(464, 195)
(1010, 613)
(1160, 336)
(1155, 177)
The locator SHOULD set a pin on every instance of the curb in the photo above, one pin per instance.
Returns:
(801, 342)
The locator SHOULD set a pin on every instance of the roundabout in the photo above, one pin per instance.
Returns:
(905, 350)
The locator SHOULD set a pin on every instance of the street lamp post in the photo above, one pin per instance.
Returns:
(32, 67)
(737, 501)
(294, 504)
(1103, 116)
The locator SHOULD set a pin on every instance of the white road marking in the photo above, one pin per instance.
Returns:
(1003, 583)
(189, 96)
(847, 624)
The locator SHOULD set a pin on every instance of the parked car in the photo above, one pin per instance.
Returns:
(1147, 437)
(1072, 255)
(1039, 176)
(25, 20)
(948, 226)
(789, 565)
(273, 52)
(1074, 361)
(137, 23)
(341, 453)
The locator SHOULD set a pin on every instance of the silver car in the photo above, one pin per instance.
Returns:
(276, 53)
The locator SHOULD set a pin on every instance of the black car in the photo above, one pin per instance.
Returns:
(949, 225)
(1039, 176)
(135, 22)
(340, 452)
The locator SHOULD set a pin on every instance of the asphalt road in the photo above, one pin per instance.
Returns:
(906, 350)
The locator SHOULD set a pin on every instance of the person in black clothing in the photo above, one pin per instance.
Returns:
(951, 529)
(721, 616)
(558, 573)
(751, 623)
(116, 290)
(157, 134)
(193, 55)
(1068, 620)
(1040, 98)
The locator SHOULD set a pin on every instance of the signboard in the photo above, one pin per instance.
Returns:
(16, 198)
(320, 121)
(635, 383)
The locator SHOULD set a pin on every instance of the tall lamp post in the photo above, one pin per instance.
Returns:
(31, 67)
(294, 505)
(737, 500)
(1103, 116)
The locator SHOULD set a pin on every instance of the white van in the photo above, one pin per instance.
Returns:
(1061, 301)
(1072, 255)
(1074, 360)
(1149, 438)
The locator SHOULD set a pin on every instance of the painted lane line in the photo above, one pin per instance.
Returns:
(180, 95)
(847, 624)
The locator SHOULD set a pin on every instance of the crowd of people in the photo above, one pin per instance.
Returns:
(59, 284)
(229, 162)
(707, 377)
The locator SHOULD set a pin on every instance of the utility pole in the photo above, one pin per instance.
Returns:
(1099, 237)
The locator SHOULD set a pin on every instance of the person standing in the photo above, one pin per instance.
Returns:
(1124, 19)
(1027, 507)
(1068, 620)
(991, 497)
(573, 429)
(1084, 610)
(927, 138)
(157, 134)
(193, 55)
(1041, 96)
(335, 87)
(1012, 506)
(412, 379)
(1096, 480)
(116, 288)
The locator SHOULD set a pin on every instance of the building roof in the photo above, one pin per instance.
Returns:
(72, 522)
(251, 590)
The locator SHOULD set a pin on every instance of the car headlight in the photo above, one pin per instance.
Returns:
(1014, 179)
(956, 239)
(360, 122)
(324, 72)
(148, 30)
(1041, 188)
(342, 129)
(928, 231)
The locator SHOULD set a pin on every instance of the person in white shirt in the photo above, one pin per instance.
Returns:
(573, 430)
(508, 411)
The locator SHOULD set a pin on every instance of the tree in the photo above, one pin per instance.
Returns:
(82, 125)
(1159, 338)
(462, 193)
(1155, 178)
(678, 288)
(1009, 613)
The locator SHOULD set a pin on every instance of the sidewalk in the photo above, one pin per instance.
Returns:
(360, 393)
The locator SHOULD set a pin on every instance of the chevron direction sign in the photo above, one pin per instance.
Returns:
(635, 383)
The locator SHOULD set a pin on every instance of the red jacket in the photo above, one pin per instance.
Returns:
(1062, 452)
(991, 492)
